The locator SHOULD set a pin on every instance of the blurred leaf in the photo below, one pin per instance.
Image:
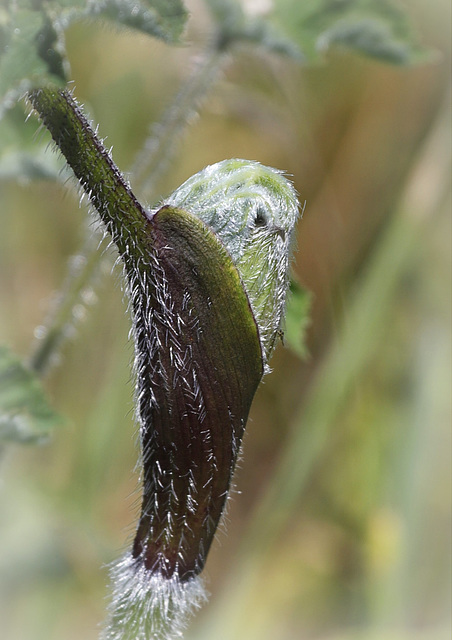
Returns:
(235, 26)
(29, 54)
(369, 37)
(25, 414)
(226, 12)
(374, 28)
(262, 33)
(163, 19)
(24, 166)
(21, 157)
(33, 54)
(297, 318)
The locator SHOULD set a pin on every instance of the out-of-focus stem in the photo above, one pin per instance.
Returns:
(161, 146)
(82, 272)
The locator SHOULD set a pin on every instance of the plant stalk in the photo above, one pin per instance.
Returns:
(148, 167)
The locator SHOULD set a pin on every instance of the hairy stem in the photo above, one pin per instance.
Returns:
(119, 210)
(148, 167)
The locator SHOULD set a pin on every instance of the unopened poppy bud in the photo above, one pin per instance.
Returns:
(253, 210)
(207, 275)
(208, 302)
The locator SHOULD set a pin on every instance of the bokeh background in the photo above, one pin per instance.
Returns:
(339, 527)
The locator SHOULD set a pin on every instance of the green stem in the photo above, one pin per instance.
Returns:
(150, 163)
(124, 218)
(118, 208)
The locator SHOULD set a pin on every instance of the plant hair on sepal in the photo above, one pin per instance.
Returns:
(207, 276)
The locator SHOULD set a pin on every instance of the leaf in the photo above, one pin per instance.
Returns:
(235, 26)
(21, 157)
(374, 28)
(24, 166)
(260, 32)
(32, 47)
(29, 55)
(25, 414)
(297, 318)
(369, 37)
(164, 19)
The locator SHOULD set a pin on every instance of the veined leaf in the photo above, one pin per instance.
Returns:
(164, 19)
(372, 38)
(374, 28)
(32, 47)
(25, 414)
(28, 55)
(234, 25)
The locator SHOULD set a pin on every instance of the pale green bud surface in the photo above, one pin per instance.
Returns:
(253, 210)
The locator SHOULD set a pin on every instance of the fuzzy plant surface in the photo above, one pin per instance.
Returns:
(207, 277)
(252, 210)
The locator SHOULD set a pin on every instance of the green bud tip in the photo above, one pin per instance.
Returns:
(253, 210)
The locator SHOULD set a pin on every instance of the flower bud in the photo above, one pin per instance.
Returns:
(253, 210)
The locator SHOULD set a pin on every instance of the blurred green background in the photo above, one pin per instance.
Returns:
(339, 528)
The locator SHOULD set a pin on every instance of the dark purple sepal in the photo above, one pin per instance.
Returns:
(198, 365)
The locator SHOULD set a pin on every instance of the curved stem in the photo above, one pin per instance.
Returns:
(148, 167)
(123, 216)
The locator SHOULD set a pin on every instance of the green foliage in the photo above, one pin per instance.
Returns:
(32, 47)
(235, 26)
(33, 54)
(164, 19)
(374, 28)
(22, 157)
(26, 37)
(25, 414)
